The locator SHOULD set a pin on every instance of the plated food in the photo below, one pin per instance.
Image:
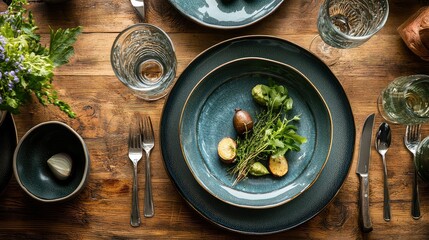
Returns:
(263, 145)
(207, 116)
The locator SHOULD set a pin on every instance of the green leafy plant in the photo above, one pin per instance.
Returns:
(26, 66)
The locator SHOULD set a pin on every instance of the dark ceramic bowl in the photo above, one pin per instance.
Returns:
(30, 162)
(421, 160)
(8, 141)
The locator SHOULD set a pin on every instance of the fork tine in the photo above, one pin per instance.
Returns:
(134, 139)
(148, 129)
(139, 139)
(145, 126)
(415, 132)
(411, 133)
(141, 127)
(418, 131)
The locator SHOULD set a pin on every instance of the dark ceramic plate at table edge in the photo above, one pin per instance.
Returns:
(274, 4)
(306, 206)
(202, 160)
(8, 142)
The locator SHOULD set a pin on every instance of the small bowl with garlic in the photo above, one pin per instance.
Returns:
(51, 162)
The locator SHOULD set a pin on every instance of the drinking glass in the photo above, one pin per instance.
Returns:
(347, 24)
(421, 161)
(143, 58)
(406, 100)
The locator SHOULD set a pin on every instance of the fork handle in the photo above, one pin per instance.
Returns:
(148, 200)
(135, 212)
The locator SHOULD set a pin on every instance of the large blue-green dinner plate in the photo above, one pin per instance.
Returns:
(226, 14)
(207, 118)
(8, 141)
(306, 205)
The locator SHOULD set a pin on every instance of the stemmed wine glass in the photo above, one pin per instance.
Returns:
(347, 24)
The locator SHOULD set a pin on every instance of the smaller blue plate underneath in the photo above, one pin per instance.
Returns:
(207, 118)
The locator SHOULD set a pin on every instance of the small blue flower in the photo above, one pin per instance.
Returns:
(10, 85)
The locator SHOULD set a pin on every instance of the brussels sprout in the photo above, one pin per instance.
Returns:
(258, 169)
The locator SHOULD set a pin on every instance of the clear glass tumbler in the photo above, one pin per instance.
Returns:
(406, 100)
(421, 161)
(347, 24)
(143, 58)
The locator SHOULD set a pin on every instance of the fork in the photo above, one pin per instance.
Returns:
(411, 141)
(135, 154)
(148, 144)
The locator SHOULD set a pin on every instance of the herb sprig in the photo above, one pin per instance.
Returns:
(272, 134)
(26, 66)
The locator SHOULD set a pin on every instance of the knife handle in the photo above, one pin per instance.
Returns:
(364, 217)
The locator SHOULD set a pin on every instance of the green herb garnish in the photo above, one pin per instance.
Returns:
(26, 66)
(272, 135)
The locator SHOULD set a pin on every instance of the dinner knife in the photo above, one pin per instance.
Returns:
(362, 171)
(139, 7)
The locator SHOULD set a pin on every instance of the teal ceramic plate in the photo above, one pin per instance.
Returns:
(226, 14)
(207, 118)
(8, 141)
(306, 205)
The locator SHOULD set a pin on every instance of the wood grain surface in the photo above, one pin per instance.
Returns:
(105, 108)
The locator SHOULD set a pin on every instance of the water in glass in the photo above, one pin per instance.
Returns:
(347, 24)
(406, 100)
(143, 59)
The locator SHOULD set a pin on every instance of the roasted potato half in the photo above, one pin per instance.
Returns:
(227, 150)
(278, 166)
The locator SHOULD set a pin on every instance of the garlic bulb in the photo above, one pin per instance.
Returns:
(60, 165)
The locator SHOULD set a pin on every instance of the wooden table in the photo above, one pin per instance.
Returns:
(105, 107)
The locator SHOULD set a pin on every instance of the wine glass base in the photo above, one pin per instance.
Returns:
(326, 53)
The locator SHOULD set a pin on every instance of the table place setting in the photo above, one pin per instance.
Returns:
(233, 110)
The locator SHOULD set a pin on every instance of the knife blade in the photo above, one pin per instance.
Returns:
(139, 7)
(362, 170)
